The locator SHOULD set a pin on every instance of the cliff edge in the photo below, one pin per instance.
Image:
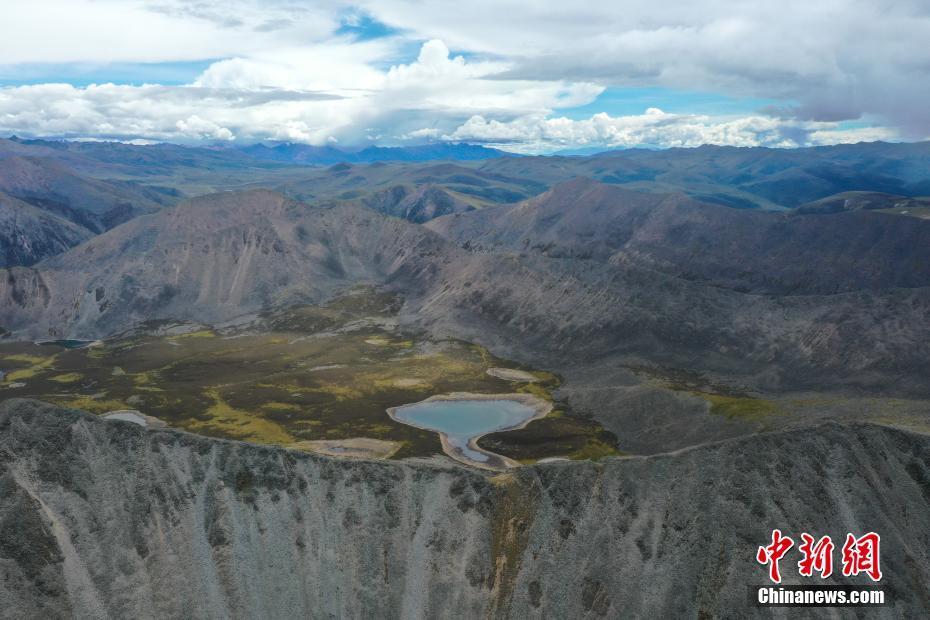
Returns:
(108, 519)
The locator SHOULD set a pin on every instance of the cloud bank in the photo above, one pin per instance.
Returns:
(382, 71)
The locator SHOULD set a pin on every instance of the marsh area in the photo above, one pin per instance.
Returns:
(319, 378)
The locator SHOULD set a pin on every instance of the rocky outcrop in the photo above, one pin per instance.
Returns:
(28, 234)
(749, 251)
(90, 203)
(211, 259)
(863, 201)
(416, 203)
(109, 519)
(534, 291)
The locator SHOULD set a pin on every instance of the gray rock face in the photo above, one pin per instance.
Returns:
(209, 260)
(90, 203)
(416, 204)
(559, 313)
(108, 519)
(862, 201)
(28, 234)
(227, 255)
(749, 251)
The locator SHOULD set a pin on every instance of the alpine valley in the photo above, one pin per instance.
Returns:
(205, 352)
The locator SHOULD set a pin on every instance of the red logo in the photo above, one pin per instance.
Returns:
(817, 557)
(860, 555)
(773, 553)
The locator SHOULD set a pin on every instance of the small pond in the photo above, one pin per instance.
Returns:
(67, 344)
(460, 422)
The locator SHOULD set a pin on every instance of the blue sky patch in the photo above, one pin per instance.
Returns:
(363, 27)
(635, 101)
(80, 74)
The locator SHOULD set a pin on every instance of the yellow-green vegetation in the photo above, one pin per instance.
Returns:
(314, 373)
(594, 450)
(357, 447)
(96, 352)
(281, 407)
(379, 429)
(545, 377)
(539, 390)
(26, 366)
(203, 333)
(734, 404)
(70, 377)
(573, 437)
(89, 403)
(486, 358)
(739, 407)
(25, 358)
(144, 381)
(225, 421)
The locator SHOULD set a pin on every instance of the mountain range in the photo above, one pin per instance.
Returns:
(751, 325)
(657, 277)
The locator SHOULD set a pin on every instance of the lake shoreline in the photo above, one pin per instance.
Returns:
(496, 462)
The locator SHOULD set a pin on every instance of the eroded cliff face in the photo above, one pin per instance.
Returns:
(107, 519)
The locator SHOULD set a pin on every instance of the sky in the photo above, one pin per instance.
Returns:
(531, 77)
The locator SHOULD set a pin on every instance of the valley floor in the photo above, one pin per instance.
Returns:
(315, 377)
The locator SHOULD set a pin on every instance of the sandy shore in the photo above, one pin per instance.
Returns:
(495, 462)
(356, 447)
(135, 417)
(512, 374)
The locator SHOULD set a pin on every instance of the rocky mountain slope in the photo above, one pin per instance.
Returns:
(107, 519)
(642, 288)
(416, 203)
(346, 181)
(866, 201)
(211, 259)
(748, 251)
(589, 271)
(328, 155)
(94, 204)
(746, 178)
(28, 234)
(559, 314)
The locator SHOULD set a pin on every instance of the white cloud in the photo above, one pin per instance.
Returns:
(518, 65)
(334, 67)
(534, 134)
(196, 127)
(311, 95)
(104, 31)
(828, 60)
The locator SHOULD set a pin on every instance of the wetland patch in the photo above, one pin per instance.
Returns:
(322, 373)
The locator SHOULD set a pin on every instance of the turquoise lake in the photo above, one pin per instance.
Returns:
(461, 420)
(67, 344)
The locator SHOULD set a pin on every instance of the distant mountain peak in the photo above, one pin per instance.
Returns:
(327, 155)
